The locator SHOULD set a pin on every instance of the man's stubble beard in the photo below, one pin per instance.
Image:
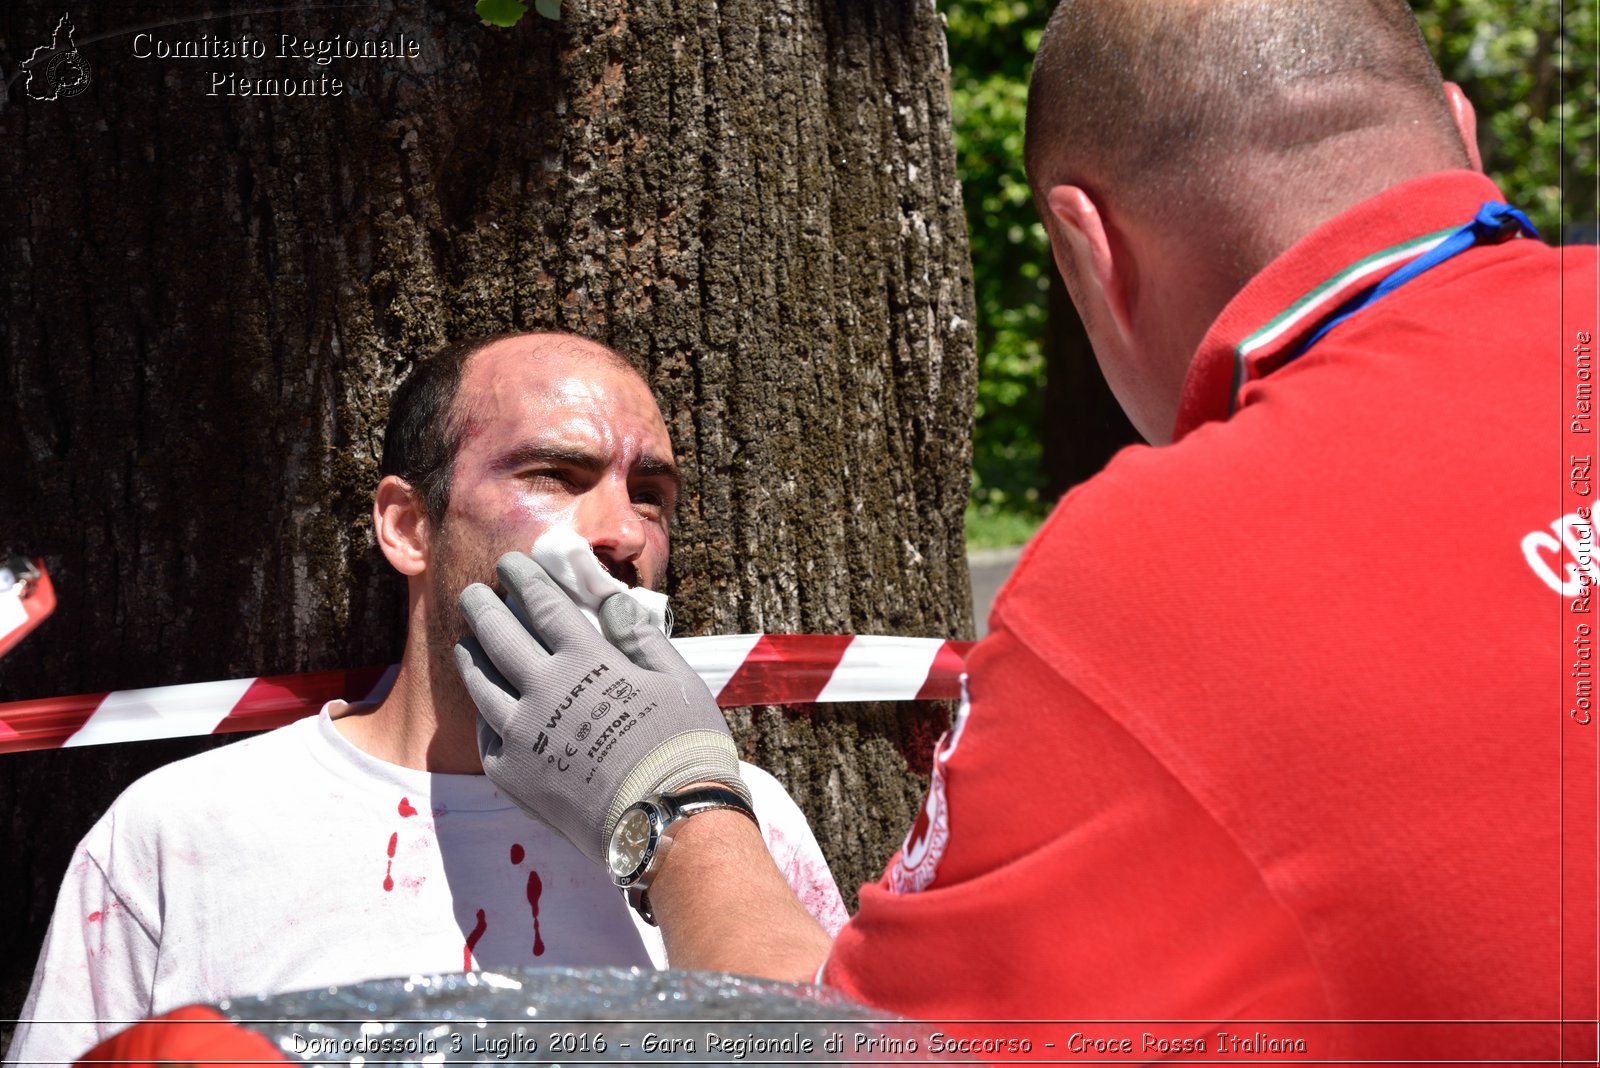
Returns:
(446, 626)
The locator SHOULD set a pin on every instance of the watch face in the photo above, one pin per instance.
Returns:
(629, 843)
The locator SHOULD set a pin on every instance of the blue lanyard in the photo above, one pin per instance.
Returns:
(1494, 223)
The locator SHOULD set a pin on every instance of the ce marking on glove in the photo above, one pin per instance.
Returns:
(542, 742)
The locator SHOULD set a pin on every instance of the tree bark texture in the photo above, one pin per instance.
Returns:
(208, 299)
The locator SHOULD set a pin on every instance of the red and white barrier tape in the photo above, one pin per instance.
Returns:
(740, 669)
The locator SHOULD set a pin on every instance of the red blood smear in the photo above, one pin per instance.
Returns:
(535, 888)
(472, 940)
(94, 917)
(516, 853)
(405, 807)
(388, 869)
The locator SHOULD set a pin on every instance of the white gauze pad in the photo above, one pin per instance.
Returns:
(566, 557)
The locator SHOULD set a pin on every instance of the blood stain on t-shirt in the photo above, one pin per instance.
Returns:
(388, 869)
(535, 888)
(405, 808)
(96, 917)
(516, 853)
(472, 940)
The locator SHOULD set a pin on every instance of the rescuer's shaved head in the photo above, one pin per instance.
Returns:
(1182, 107)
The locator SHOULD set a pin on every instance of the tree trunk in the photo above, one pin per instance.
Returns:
(208, 300)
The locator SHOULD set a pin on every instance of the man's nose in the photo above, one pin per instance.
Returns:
(612, 526)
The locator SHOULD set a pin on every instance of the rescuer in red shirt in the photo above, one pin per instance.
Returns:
(1269, 739)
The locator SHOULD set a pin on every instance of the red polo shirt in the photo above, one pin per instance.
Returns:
(1269, 726)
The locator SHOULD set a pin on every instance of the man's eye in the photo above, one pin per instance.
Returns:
(554, 474)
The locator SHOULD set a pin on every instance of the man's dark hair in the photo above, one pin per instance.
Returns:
(424, 431)
(1183, 107)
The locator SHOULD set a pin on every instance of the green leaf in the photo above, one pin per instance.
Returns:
(550, 9)
(501, 12)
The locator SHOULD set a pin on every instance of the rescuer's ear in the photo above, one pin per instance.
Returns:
(1095, 278)
(1466, 119)
(399, 525)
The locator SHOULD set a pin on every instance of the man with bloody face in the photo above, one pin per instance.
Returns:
(366, 842)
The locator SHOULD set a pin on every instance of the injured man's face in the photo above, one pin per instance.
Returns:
(554, 435)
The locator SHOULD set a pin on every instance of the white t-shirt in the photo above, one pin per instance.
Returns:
(294, 860)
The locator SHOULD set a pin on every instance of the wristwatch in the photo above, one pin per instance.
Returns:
(643, 833)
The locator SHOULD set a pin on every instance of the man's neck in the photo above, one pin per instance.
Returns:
(427, 721)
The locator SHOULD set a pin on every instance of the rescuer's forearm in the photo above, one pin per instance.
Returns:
(723, 905)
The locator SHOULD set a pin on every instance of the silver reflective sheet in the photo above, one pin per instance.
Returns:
(578, 1016)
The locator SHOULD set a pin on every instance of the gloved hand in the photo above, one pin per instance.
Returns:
(574, 729)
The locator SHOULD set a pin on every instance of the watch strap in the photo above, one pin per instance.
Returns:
(685, 803)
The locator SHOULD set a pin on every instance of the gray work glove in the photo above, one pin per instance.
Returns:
(575, 727)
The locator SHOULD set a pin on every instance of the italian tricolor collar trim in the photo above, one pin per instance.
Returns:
(1309, 309)
(1286, 301)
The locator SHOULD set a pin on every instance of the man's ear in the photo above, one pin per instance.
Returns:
(400, 526)
(1086, 260)
(1466, 119)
